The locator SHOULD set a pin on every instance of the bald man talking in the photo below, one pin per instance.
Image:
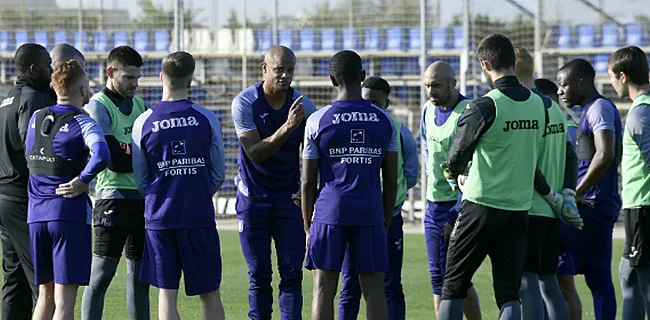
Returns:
(269, 120)
(440, 116)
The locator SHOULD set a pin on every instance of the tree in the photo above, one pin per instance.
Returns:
(642, 18)
(158, 18)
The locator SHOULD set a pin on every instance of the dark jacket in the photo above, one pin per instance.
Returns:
(16, 109)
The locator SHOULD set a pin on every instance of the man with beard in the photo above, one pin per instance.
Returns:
(269, 120)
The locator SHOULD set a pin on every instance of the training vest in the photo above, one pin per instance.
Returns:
(504, 161)
(42, 159)
(634, 170)
(401, 179)
(552, 159)
(121, 125)
(439, 140)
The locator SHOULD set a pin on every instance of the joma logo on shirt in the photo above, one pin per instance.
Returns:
(554, 128)
(171, 123)
(355, 117)
(128, 130)
(521, 125)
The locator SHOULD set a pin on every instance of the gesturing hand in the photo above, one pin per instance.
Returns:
(296, 114)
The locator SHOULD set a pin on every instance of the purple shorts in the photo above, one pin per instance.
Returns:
(61, 251)
(195, 252)
(367, 244)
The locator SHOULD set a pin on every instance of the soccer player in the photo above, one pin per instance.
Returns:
(179, 165)
(377, 90)
(501, 133)
(599, 154)
(59, 141)
(118, 216)
(31, 93)
(440, 116)
(565, 263)
(558, 164)
(347, 144)
(268, 118)
(628, 73)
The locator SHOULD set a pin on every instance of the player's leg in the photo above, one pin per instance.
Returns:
(532, 306)
(393, 277)
(368, 246)
(643, 275)
(472, 305)
(254, 219)
(567, 269)
(325, 254)
(72, 255)
(468, 247)
(571, 296)
(41, 248)
(350, 296)
(44, 309)
(108, 245)
(137, 293)
(161, 268)
(436, 249)
(556, 307)
(507, 254)
(289, 237)
(201, 263)
(633, 299)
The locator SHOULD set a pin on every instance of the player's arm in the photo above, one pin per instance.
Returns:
(256, 149)
(423, 141)
(601, 119)
(638, 127)
(140, 164)
(410, 157)
(389, 175)
(571, 166)
(309, 179)
(477, 118)
(26, 110)
(217, 156)
(120, 154)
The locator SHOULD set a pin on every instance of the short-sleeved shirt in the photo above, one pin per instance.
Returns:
(278, 176)
(350, 139)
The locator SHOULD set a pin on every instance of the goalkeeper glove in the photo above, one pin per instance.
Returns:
(569, 211)
(296, 199)
(556, 202)
(453, 183)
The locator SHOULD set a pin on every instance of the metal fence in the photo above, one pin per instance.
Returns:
(396, 39)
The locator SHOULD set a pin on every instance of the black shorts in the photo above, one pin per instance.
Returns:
(479, 232)
(543, 245)
(637, 233)
(119, 224)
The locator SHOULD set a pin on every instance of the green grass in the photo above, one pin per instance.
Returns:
(415, 279)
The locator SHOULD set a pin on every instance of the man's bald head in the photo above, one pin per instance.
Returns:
(64, 52)
(440, 83)
(278, 66)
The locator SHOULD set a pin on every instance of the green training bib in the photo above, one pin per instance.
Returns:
(634, 171)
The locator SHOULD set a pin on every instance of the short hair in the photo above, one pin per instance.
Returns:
(346, 67)
(633, 62)
(546, 87)
(27, 55)
(178, 66)
(66, 74)
(125, 56)
(377, 83)
(580, 69)
(524, 63)
(497, 50)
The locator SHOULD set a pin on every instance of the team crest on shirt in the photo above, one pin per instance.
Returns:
(357, 136)
(178, 147)
(64, 128)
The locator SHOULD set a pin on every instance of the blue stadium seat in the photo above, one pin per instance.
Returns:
(263, 40)
(563, 35)
(141, 41)
(81, 41)
(321, 67)
(120, 38)
(586, 35)
(401, 93)
(634, 35)
(4, 40)
(371, 39)
(161, 40)
(92, 67)
(389, 67)
(609, 35)
(22, 37)
(394, 39)
(458, 38)
(411, 66)
(439, 38)
(600, 63)
(414, 39)
(328, 39)
(350, 43)
(365, 65)
(60, 37)
(100, 41)
(307, 40)
(285, 38)
(40, 37)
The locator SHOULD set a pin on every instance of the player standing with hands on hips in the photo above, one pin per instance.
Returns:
(269, 120)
